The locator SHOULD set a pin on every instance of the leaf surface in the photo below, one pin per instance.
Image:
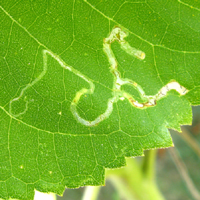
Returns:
(52, 53)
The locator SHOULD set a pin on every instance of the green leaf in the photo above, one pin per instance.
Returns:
(65, 114)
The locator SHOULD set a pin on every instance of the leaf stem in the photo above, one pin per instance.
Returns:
(91, 192)
(123, 191)
(138, 180)
(184, 174)
(185, 134)
(148, 166)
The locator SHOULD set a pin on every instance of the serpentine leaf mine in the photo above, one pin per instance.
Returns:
(117, 34)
